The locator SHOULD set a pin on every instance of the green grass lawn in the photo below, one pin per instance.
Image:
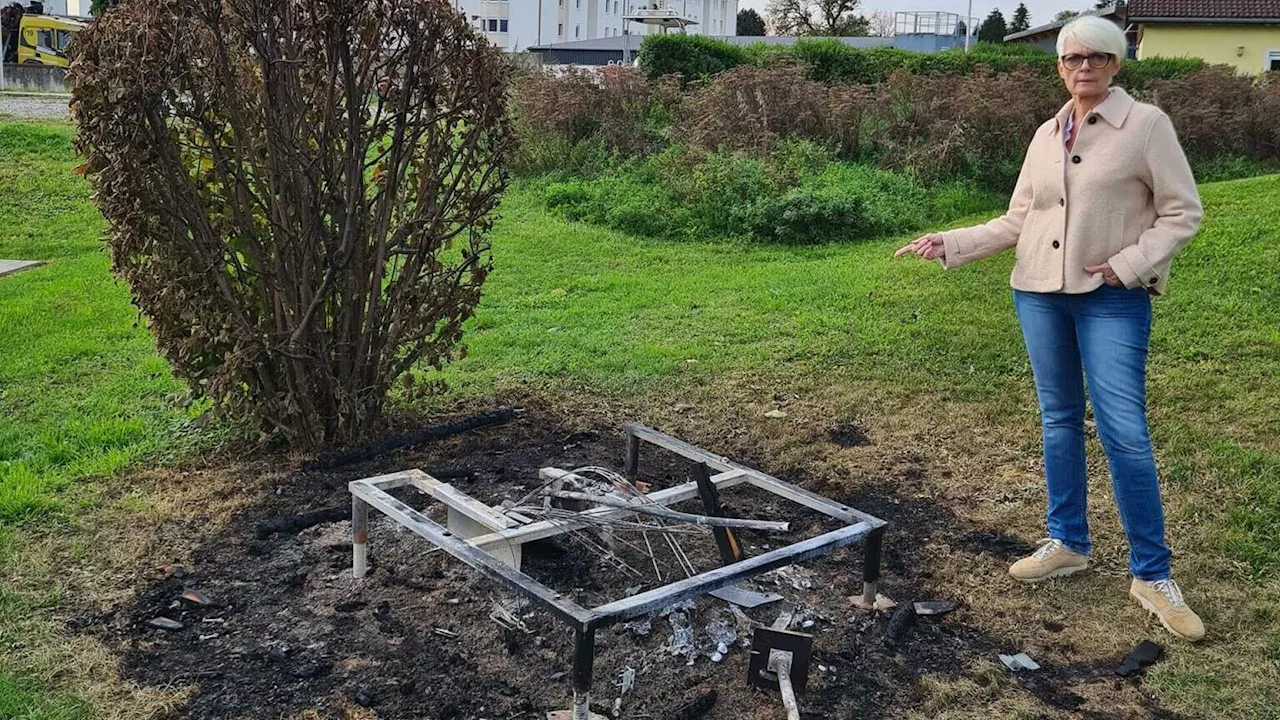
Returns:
(83, 393)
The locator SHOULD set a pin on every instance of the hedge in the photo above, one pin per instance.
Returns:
(693, 56)
(831, 61)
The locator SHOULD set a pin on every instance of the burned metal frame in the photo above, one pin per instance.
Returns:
(506, 536)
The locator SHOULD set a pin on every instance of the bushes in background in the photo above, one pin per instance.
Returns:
(830, 61)
(574, 119)
(1137, 75)
(764, 150)
(935, 127)
(692, 56)
(797, 193)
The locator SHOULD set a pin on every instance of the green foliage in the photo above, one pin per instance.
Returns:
(1136, 75)
(83, 391)
(1021, 19)
(993, 29)
(844, 202)
(750, 24)
(691, 56)
(831, 61)
(1007, 57)
(22, 700)
(798, 194)
(1230, 167)
(807, 215)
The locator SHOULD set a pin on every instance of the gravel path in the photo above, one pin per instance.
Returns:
(33, 107)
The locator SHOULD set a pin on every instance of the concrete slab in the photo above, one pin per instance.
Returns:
(9, 267)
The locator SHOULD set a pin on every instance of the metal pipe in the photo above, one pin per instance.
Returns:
(662, 512)
(968, 27)
(632, 465)
(780, 665)
(584, 657)
(359, 537)
(871, 566)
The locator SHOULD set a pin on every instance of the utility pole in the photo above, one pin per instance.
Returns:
(968, 27)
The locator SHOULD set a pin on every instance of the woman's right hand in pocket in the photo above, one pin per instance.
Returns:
(929, 247)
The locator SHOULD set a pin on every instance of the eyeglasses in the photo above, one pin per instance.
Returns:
(1097, 61)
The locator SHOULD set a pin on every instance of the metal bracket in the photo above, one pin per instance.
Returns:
(767, 641)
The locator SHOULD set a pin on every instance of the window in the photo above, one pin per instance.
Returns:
(503, 25)
(577, 31)
(1272, 60)
(493, 25)
(64, 39)
(559, 29)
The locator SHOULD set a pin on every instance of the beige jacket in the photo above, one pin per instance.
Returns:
(1123, 195)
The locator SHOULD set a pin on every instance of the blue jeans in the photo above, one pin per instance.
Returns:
(1105, 333)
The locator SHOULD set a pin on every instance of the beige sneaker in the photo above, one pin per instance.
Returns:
(1053, 559)
(1163, 598)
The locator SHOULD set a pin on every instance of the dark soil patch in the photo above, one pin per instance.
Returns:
(291, 631)
(848, 435)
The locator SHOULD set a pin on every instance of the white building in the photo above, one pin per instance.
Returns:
(518, 24)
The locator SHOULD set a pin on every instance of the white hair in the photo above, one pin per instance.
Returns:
(1096, 34)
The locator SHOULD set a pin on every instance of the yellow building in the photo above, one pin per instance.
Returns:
(1241, 33)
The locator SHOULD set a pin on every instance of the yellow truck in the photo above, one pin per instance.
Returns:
(38, 39)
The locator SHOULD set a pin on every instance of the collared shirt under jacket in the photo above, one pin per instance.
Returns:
(1124, 195)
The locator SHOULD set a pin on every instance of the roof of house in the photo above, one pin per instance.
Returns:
(1109, 11)
(1212, 10)
(618, 43)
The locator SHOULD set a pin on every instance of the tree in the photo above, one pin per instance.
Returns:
(1021, 19)
(750, 23)
(883, 24)
(993, 28)
(299, 193)
(823, 18)
(1107, 4)
(1065, 15)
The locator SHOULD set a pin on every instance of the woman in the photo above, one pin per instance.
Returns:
(1104, 201)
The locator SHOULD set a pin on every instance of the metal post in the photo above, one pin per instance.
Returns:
(2, 48)
(359, 537)
(726, 540)
(968, 27)
(584, 657)
(780, 664)
(632, 465)
(871, 567)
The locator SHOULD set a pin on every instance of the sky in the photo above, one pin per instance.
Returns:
(1042, 11)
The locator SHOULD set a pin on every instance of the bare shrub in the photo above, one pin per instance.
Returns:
(974, 125)
(1266, 113)
(848, 107)
(1211, 109)
(299, 192)
(563, 105)
(748, 108)
(628, 101)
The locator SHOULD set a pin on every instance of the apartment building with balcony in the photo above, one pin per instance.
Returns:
(516, 25)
